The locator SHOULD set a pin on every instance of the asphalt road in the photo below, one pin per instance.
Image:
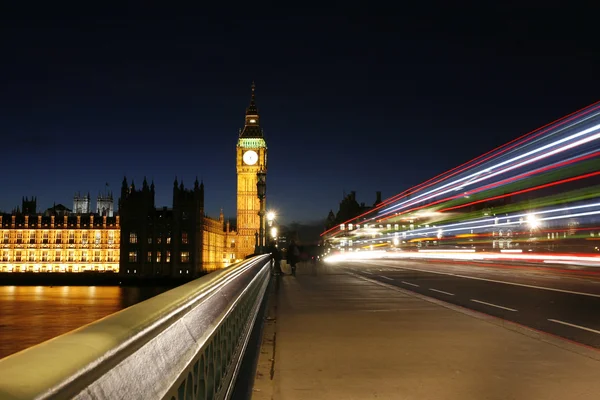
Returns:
(558, 300)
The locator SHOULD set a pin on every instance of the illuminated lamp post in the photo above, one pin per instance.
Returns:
(272, 226)
(534, 224)
(270, 218)
(274, 233)
(261, 190)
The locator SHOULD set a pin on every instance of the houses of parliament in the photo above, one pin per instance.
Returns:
(140, 239)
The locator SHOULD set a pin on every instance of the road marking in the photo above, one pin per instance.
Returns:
(411, 284)
(494, 305)
(574, 326)
(506, 283)
(441, 291)
(386, 277)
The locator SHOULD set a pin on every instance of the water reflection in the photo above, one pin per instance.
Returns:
(32, 314)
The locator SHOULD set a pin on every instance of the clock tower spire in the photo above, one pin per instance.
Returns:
(252, 123)
(251, 157)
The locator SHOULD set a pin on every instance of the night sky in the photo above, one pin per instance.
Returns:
(347, 103)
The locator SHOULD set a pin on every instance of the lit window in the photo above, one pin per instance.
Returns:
(71, 256)
(168, 257)
(18, 255)
(168, 239)
(159, 238)
(184, 238)
(109, 256)
(149, 240)
(5, 236)
(45, 237)
(31, 236)
(96, 255)
(5, 255)
(72, 237)
(149, 258)
(111, 237)
(185, 256)
(133, 238)
(133, 256)
(84, 256)
(57, 256)
(19, 237)
(97, 237)
(158, 256)
(58, 237)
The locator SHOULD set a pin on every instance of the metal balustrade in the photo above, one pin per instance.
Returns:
(186, 343)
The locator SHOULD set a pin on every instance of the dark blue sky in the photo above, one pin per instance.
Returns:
(346, 103)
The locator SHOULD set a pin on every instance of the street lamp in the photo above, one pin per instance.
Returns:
(270, 217)
(261, 191)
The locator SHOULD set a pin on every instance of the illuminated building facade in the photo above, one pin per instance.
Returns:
(54, 242)
(105, 204)
(251, 157)
(81, 204)
(171, 242)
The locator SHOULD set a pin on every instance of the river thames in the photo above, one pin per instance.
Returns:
(33, 314)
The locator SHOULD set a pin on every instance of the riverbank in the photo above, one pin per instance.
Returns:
(85, 279)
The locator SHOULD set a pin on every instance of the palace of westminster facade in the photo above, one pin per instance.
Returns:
(140, 240)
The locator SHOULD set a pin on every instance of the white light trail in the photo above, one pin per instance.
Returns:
(516, 158)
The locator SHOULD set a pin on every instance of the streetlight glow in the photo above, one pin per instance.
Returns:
(533, 221)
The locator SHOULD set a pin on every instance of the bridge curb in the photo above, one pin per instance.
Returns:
(265, 369)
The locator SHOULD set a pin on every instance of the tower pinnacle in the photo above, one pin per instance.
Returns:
(252, 110)
(252, 123)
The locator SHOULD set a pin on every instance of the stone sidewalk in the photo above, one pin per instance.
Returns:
(333, 335)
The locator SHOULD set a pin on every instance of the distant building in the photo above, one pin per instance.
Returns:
(57, 210)
(81, 204)
(29, 206)
(349, 208)
(105, 204)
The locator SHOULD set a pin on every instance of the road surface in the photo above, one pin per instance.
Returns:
(561, 301)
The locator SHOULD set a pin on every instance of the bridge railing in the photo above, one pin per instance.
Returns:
(186, 343)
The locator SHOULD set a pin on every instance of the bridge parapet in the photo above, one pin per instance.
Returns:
(186, 343)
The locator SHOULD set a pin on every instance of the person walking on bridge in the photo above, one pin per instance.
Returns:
(276, 254)
(293, 254)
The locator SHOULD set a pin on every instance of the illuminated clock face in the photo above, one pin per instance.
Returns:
(250, 157)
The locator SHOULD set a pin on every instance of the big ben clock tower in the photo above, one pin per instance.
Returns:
(251, 157)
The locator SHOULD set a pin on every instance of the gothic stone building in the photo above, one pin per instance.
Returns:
(172, 242)
(58, 241)
(251, 157)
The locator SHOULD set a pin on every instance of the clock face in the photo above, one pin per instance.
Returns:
(250, 157)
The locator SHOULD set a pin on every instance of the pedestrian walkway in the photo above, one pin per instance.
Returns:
(339, 336)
